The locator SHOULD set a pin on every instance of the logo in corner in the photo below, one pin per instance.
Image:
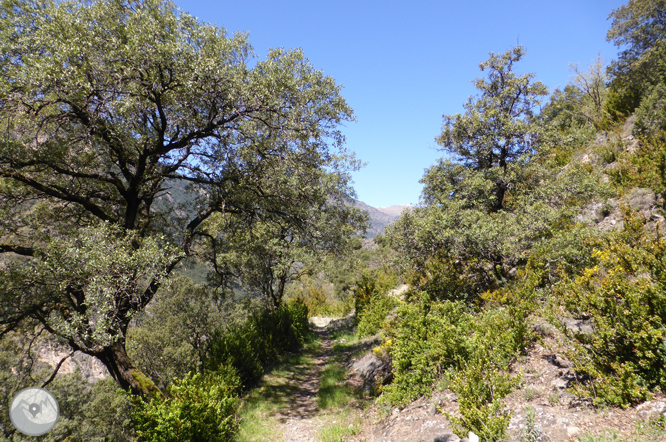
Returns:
(34, 411)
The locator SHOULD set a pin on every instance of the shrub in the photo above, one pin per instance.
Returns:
(481, 384)
(198, 408)
(373, 316)
(426, 342)
(624, 296)
(432, 341)
(370, 284)
(260, 340)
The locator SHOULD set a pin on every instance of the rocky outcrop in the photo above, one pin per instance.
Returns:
(373, 370)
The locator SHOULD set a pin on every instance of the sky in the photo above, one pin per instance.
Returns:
(403, 64)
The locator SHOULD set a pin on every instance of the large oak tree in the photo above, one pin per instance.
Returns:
(105, 106)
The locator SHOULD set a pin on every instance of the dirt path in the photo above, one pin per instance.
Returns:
(299, 419)
(287, 406)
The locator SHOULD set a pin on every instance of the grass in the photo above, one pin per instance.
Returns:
(258, 421)
(333, 391)
(645, 431)
(337, 432)
(531, 393)
(260, 410)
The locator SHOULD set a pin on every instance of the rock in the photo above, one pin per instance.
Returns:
(559, 384)
(579, 326)
(432, 409)
(473, 437)
(373, 370)
(642, 199)
(572, 431)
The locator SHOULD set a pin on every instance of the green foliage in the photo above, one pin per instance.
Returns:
(250, 346)
(649, 430)
(372, 283)
(333, 391)
(132, 99)
(171, 338)
(531, 432)
(457, 252)
(651, 114)
(637, 26)
(374, 314)
(99, 412)
(198, 408)
(645, 168)
(592, 84)
(430, 341)
(480, 386)
(320, 297)
(623, 295)
(640, 29)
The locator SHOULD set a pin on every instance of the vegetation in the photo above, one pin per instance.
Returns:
(178, 215)
(96, 132)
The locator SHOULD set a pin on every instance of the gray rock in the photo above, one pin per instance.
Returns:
(373, 370)
(580, 326)
(642, 199)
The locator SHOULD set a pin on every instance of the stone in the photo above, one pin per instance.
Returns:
(373, 371)
(573, 431)
(642, 199)
(581, 326)
(473, 437)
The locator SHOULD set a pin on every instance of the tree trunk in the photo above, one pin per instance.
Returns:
(125, 373)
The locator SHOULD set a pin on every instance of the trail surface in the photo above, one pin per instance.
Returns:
(288, 401)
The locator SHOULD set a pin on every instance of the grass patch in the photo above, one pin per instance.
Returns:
(337, 432)
(257, 423)
(645, 431)
(333, 391)
(344, 341)
(275, 392)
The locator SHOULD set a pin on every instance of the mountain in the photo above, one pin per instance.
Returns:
(380, 217)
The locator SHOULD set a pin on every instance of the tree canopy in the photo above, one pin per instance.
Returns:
(107, 106)
(495, 129)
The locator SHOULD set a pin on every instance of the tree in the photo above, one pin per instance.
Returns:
(592, 83)
(639, 28)
(484, 209)
(265, 257)
(105, 105)
(495, 130)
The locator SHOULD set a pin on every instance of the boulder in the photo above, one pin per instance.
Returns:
(374, 371)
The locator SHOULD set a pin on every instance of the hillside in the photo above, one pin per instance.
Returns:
(380, 217)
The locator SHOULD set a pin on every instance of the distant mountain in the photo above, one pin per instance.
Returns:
(380, 217)
(394, 210)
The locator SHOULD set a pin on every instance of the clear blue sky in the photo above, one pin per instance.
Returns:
(404, 64)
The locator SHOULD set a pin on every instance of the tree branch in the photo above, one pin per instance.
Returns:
(57, 368)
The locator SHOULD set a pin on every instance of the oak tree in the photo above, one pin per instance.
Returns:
(106, 107)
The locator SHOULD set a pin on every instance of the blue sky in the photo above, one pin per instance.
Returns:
(404, 64)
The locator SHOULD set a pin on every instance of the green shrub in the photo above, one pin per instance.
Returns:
(426, 341)
(370, 284)
(624, 296)
(433, 340)
(260, 340)
(198, 408)
(372, 318)
(481, 384)
(651, 114)
(644, 168)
